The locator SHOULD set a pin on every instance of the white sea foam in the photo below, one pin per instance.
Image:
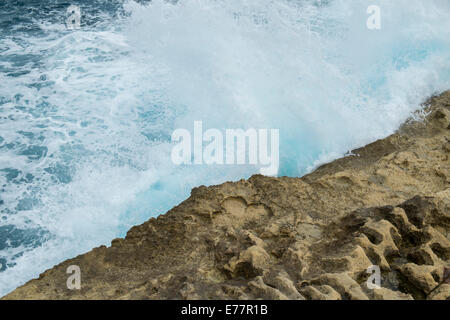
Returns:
(104, 102)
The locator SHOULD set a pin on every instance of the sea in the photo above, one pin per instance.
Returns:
(91, 92)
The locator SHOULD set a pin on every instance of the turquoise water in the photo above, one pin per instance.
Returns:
(86, 115)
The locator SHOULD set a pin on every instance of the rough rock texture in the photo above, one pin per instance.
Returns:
(387, 204)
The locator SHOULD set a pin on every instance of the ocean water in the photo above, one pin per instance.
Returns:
(86, 114)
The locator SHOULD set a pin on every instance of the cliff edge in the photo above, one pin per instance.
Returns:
(387, 204)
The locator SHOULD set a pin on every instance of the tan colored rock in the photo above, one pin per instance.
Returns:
(264, 291)
(344, 284)
(420, 276)
(440, 293)
(251, 262)
(284, 284)
(324, 292)
(387, 294)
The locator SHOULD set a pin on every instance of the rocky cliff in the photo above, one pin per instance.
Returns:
(387, 204)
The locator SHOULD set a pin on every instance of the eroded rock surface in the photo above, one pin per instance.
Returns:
(388, 204)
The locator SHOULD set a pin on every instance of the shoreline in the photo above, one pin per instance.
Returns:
(312, 237)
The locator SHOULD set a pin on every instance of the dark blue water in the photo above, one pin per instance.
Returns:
(86, 114)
